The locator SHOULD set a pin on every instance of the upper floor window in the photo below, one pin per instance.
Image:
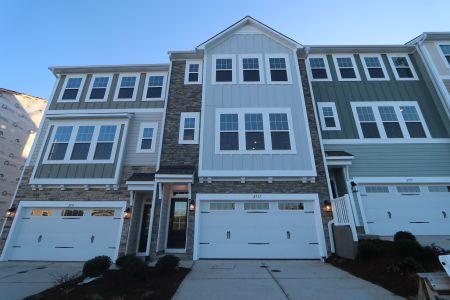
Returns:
(72, 89)
(82, 143)
(155, 86)
(105, 142)
(445, 50)
(127, 87)
(250, 68)
(279, 131)
(99, 88)
(223, 69)
(402, 67)
(193, 72)
(229, 132)
(328, 116)
(388, 120)
(278, 70)
(318, 67)
(60, 142)
(254, 132)
(346, 68)
(374, 67)
(147, 137)
(189, 127)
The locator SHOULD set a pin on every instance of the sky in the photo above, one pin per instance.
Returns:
(37, 34)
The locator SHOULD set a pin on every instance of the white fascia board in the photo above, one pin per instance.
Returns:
(260, 173)
(363, 180)
(72, 181)
(106, 111)
(75, 203)
(141, 187)
(386, 141)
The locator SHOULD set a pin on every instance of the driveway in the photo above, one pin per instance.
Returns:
(268, 279)
(22, 279)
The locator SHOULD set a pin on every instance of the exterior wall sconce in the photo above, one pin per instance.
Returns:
(327, 206)
(354, 186)
(11, 213)
(127, 213)
(192, 205)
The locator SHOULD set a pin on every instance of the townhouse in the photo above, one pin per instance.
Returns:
(236, 149)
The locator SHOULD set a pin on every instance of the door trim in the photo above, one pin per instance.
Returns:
(176, 250)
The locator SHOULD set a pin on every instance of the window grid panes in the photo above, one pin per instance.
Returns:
(346, 69)
(367, 122)
(193, 72)
(282, 205)
(402, 67)
(105, 143)
(221, 205)
(155, 86)
(377, 189)
(408, 189)
(390, 122)
(254, 132)
(278, 69)
(229, 134)
(374, 67)
(438, 189)
(128, 81)
(60, 143)
(100, 82)
(328, 116)
(413, 123)
(279, 134)
(72, 88)
(256, 205)
(82, 143)
(446, 51)
(147, 138)
(224, 70)
(189, 129)
(318, 68)
(250, 70)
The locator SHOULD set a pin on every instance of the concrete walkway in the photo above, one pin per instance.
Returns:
(255, 279)
(22, 279)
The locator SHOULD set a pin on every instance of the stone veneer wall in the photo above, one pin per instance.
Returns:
(25, 192)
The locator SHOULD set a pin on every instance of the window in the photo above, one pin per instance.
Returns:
(346, 68)
(377, 189)
(42, 212)
(155, 87)
(60, 142)
(256, 205)
(408, 189)
(318, 67)
(72, 89)
(72, 213)
(193, 72)
(250, 68)
(223, 69)
(229, 132)
(102, 213)
(127, 87)
(278, 70)
(374, 67)
(445, 49)
(290, 205)
(105, 142)
(189, 126)
(402, 67)
(367, 122)
(82, 143)
(254, 132)
(389, 120)
(328, 116)
(279, 131)
(147, 137)
(99, 88)
(221, 205)
(439, 189)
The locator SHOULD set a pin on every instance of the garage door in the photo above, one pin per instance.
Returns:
(261, 229)
(65, 234)
(420, 209)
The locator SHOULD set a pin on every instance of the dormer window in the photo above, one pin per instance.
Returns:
(127, 87)
(72, 89)
(155, 86)
(223, 69)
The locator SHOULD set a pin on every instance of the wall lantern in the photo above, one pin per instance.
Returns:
(192, 205)
(354, 186)
(127, 213)
(327, 206)
(11, 213)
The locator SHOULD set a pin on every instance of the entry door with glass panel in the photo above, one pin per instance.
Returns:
(176, 236)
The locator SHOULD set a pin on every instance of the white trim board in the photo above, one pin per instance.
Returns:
(401, 180)
(386, 141)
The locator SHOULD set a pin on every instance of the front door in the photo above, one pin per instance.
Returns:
(176, 236)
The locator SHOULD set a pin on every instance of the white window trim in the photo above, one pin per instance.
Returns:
(90, 158)
(200, 71)
(143, 125)
(136, 86)
(80, 89)
(288, 67)
(163, 90)
(355, 67)
(183, 116)
(327, 67)
(91, 86)
(441, 53)
(260, 65)
(241, 130)
(379, 122)
(322, 117)
(233, 68)
(366, 69)
(394, 69)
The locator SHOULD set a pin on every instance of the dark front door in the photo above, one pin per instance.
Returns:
(176, 237)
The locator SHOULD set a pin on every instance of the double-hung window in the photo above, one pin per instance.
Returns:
(318, 67)
(223, 69)
(250, 66)
(105, 142)
(229, 132)
(329, 119)
(99, 88)
(279, 131)
(254, 132)
(346, 68)
(193, 72)
(445, 50)
(72, 89)
(60, 143)
(82, 143)
(374, 67)
(413, 122)
(147, 138)
(390, 121)
(127, 87)
(155, 86)
(189, 127)
(367, 122)
(278, 70)
(402, 67)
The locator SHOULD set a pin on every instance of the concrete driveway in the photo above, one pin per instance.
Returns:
(22, 279)
(255, 279)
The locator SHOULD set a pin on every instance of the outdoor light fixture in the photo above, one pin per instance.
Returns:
(127, 213)
(191, 205)
(327, 206)
(354, 186)
(11, 213)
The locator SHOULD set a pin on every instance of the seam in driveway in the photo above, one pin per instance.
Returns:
(276, 280)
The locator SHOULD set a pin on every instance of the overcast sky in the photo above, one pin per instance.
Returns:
(38, 34)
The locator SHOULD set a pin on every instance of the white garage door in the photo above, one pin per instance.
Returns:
(65, 234)
(262, 229)
(422, 210)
